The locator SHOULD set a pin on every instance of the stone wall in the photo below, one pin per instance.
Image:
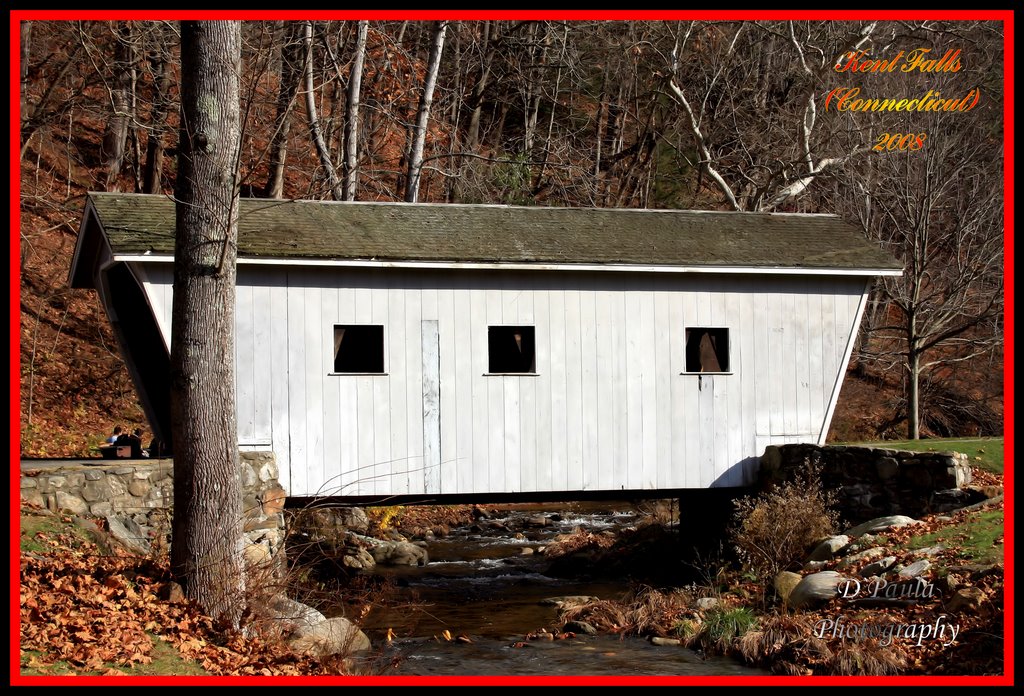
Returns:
(136, 496)
(874, 482)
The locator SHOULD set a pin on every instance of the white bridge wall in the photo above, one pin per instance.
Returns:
(608, 409)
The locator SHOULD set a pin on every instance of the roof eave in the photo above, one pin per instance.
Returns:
(532, 265)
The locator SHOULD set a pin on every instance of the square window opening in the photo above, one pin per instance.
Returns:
(510, 349)
(359, 348)
(707, 350)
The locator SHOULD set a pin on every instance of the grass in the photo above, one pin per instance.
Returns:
(36, 528)
(983, 452)
(974, 537)
(167, 661)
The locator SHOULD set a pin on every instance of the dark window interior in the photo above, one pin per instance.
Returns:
(510, 349)
(707, 350)
(359, 348)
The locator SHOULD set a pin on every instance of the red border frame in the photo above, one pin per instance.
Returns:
(1006, 16)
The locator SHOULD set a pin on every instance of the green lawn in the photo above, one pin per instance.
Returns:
(984, 452)
(974, 538)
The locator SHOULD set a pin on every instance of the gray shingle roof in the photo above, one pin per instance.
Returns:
(137, 224)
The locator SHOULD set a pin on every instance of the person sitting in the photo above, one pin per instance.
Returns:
(136, 442)
(113, 438)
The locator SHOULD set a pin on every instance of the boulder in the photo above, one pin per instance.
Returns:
(293, 617)
(358, 558)
(878, 567)
(815, 589)
(784, 583)
(354, 519)
(879, 524)
(396, 553)
(581, 627)
(828, 548)
(128, 533)
(915, 568)
(707, 603)
(967, 598)
(861, 556)
(658, 640)
(337, 636)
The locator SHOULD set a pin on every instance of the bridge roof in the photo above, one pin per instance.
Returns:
(291, 230)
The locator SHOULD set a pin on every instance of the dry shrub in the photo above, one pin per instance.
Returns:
(787, 643)
(646, 611)
(604, 615)
(772, 531)
(578, 540)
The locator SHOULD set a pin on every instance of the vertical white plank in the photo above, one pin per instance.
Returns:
(431, 396)
(746, 373)
(573, 391)
(476, 327)
(556, 362)
(403, 395)
(662, 378)
(589, 388)
(542, 403)
(331, 395)
(649, 375)
(691, 401)
(776, 391)
(815, 385)
(382, 463)
(787, 368)
(280, 378)
(510, 293)
(262, 368)
(802, 361)
(316, 337)
(619, 376)
(763, 333)
(297, 384)
(449, 392)
(467, 376)
(348, 409)
(411, 455)
(528, 396)
(679, 386)
(495, 402)
(364, 470)
(633, 358)
(429, 311)
(245, 370)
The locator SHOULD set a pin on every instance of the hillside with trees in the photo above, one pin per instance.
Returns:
(723, 115)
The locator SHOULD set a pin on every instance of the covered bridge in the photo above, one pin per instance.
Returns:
(441, 351)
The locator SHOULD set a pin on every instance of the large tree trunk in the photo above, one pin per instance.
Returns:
(206, 551)
(412, 182)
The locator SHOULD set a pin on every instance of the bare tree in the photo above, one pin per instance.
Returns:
(940, 210)
(290, 75)
(352, 114)
(206, 552)
(748, 93)
(316, 132)
(412, 182)
(122, 97)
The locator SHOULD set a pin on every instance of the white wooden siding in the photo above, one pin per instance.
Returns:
(609, 408)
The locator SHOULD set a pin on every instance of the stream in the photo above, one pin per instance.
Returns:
(485, 583)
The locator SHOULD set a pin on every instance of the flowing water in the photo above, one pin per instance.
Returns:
(485, 584)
